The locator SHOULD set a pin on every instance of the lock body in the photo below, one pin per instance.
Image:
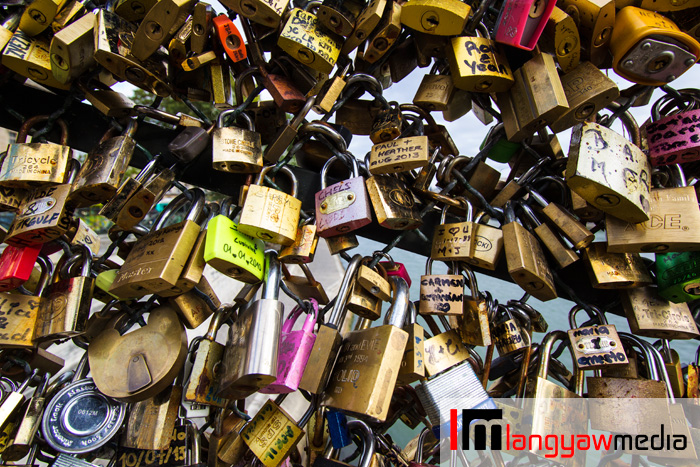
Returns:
(676, 274)
(671, 140)
(304, 39)
(270, 215)
(232, 252)
(477, 64)
(342, 207)
(399, 155)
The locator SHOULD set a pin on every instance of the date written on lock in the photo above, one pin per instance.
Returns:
(399, 155)
(175, 455)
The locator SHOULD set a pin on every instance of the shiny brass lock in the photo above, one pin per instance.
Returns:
(110, 103)
(305, 286)
(71, 12)
(387, 124)
(594, 20)
(508, 334)
(141, 363)
(477, 64)
(30, 57)
(159, 25)
(133, 10)
(399, 155)
(488, 244)
(365, 24)
(330, 91)
(653, 316)
(191, 307)
(72, 49)
(303, 249)
(38, 16)
(609, 172)
(561, 39)
(573, 230)
(473, 324)
(454, 241)
(595, 346)
(614, 270)
(649, 48)
(156, 261)
(438, 17)
(8, 28)
(363, 303)
(588, 90)
(340, 16)
(394, 204)
(562, 254)
(441, 294)
(536, 99)
(234, 149)
(435, 92)
(384, 34)
(304, 39)
(268, 13)
(269, 214)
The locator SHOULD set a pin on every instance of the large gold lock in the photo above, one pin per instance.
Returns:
(438, 17)
(73, 48)
(561, 39)
(650, 49)
(399, 155)
(30, 57)
(394, 204)
(38, 15)
(236, 149)
(454, 241)
(614, 270)
(609, 172)
(477, 64)
(384, 35)
(653, 316)
(269, 214)
(594, 20)
(159, 25)
(304, 39)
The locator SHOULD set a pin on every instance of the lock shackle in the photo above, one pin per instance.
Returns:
(368, 82)
(635, 341)
(82, 369)
(509, 213)
(545, 350)
(147, 170)
(299, 117)
(530, 173)
(369, 445)
(398, 312)
(429, 266)
(173, 206)
(193, 454)
(294, 315)
(524, 318)
(285, 170)
(628, 121)
(46, 268)
(452, 165)
(238, 86)
(558, 182)
(471, 279)
(328, 131)
(678, 175)
(418, 456)
(661, 369)
(674, 102)
(481, 28)
(241, 115)
(72, 170)
(30, 122)
(220, 316)
(272, 275)
(355, 169)
(463, 203)
(339, 308)
(577, 308)
(529, 214)
(83, 254)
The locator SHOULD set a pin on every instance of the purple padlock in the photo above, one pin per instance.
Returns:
(294, 350)
(343, 206)
(673, 139)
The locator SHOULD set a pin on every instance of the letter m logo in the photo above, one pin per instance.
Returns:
(469, 415)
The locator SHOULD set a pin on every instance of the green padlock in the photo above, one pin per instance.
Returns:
(678, 276)
(502, 150)
(231, 252)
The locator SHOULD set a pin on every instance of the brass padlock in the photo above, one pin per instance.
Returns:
(192, 308)
(508, 334)
(28, 165)
(304, 39)
(438, 17)
(454, 241)
(236, 149)
(340, 16)
(387, 124)
(306, 286)
(384, 35)
(562, 254)
(365, 24)
(561, 39)
(38, 16)
(652, 316)
(72, 49)
(441, 294)
(435, 92)
(595, 346)
(159, 25)
(488, 244)
(394, 204)
(473, 324)
(594, 20)
(269, 214)
(267, 13)
(614, 270)
(477, 64)
(399, 155)
(303, 249)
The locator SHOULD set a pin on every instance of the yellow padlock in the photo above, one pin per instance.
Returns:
(437, 17)
(303, 39)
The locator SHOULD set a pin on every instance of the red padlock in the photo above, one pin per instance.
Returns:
(16, 265)
(395, 269)
(230, 38)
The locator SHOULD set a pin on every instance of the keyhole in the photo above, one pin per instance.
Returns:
(485, 84)
(430, 20)
(154, 31)
(584, 111)
(249, 8)
(232, 42)
(381, 44)
(602, 37)
(305, 55)
(535, 10)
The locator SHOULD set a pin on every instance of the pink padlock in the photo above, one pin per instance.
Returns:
(395, 269)
(294, 351)
(521, 22)
(675, 138)
(343, 206)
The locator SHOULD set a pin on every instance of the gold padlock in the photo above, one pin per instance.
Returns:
(561, 39)
(303, 249)
(652, 316)
(159, 25)
(304, 39)
(30, 57)
(594, 20)
(614, 270)
(394, 204)
(438, 17)
(477, 64)
(365, 24)
(72, 49)
(384, 34)
(399, 155)
(38, 16)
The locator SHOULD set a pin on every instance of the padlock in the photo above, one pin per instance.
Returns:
(304, 39)
(286, 134)
(393, 268)
(672, 362)
(595, 346)
(384, 35)
(141, 363)
(526, 262)
(363, 303)
(16, 265)
(399, 155)
(365, 24)
(220, 83)
(190, 143)
(66, 305)
(477, 64)
(53, 159)
(273, 434)
(561, 39)
(111, 103)
(230, 38)
(196, 61)
(343, 206)
(670, 137)
(574, 231)
(536, 99)
(387, 124)
(14, 400)
(394, 204)
(608, 270)
(202, 16)
(8, 28)
(380, 367)
(303, 249)
(236, 149)
(341, 243)
(44, 215)
(331, 90)
(520, 24)
(178, 45)
(441, 294)
(374, 280)
(22, 443)
(507, 332)
(72, 49)
(435, 92)
(473, 323)
(488, 244)
(454, 241)
(413, 362)
(441, 18)
(156, 261)
(266, 13)
(328, 338)
(609, 172)
(294, 350)
(113, 41)
(588, 90)
(357, 115)
(562, 254)
(305, 286)
(136, 196)
(38, 16)
(339, 17)
(159, 25)
(192, 308)
(676, 276)
(20, 312)
(80, 403)
(251, 355)
(203, 382)
(270, 214)
(648, 48)
(133, 10)
(283, 90)
(99, 177)
(231, 252)
(29, 57)
(444, 349)
(652, 316)
(594, 20)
